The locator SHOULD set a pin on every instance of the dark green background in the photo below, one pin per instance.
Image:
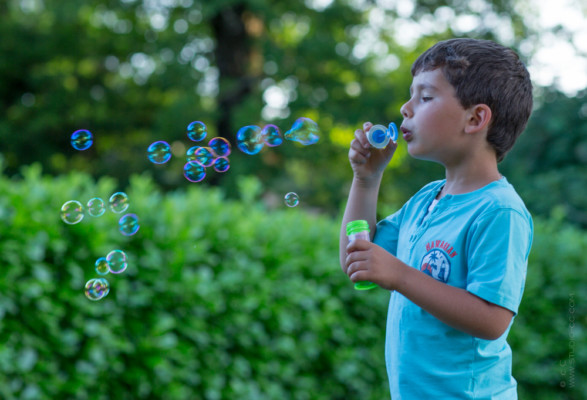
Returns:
(230, 294)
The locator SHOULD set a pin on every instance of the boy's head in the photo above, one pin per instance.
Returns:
(484, 72)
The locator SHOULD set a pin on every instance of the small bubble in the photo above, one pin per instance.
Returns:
(97, 289)
(96, 207)
(102, 267)
(292, 199)
(118, 202)
(249, 139)
(81, 139)
(304, 131)
(220, 146)
(191, 153)
(72, 212)
(271, 135)
(221, 164)
(197, 131)
(116, 261)
(159, 152)
(204, 156)
(128, 224)
(194, 172)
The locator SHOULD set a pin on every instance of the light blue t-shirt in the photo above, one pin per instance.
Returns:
(478, 241)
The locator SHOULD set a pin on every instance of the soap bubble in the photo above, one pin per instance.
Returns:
(304, 130)
(96, 288)
(193, 171)
(197, 131)
(191, 153)
(82, 139)
(159, 152)
(221, 164)
(72, 212)
(292, 199)
(128, 224)
(102, 267)
(204, 156)
(249, 140)
(96, 207)
(220, 146)
(116, 261)
(118, 202)
(271, 135)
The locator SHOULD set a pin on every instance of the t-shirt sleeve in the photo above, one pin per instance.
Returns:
(387, 233)
(499, 245)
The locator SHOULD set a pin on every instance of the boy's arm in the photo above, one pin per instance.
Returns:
(454, 306)
(361, 204)
(368, 164)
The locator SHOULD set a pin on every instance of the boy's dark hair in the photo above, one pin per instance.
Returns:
(484, 72)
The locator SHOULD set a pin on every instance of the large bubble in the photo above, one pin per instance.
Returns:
(304, 131)
(249, 139)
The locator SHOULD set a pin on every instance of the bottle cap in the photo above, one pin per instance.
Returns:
(358, 225)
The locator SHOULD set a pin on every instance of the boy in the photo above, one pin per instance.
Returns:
(455, 255)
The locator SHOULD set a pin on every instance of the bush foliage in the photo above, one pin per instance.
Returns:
(228, 299)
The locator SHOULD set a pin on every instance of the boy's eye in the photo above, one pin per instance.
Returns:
(425, 98)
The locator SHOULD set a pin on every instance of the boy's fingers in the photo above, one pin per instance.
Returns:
(361, 137)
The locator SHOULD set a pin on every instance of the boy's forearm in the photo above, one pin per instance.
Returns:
(454, 306)
(361, 204)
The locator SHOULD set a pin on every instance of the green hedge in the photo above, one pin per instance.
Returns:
(227, 300)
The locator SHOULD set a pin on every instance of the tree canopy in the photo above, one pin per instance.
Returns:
(133, 72)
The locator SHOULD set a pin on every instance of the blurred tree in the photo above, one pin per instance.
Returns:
(135, 71)
(549, 163)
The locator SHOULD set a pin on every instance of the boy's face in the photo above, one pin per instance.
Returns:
(434, 119)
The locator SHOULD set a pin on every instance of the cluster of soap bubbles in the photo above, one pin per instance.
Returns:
(72, 212)
(198, 158)
(115, 262)
(251, 139)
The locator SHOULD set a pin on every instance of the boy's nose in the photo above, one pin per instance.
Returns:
(405, 111)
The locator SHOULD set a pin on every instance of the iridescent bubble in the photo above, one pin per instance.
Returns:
(221, 164)
(159, 152)
(271, 135)
(220, 146)
(96, 207)
(191, 153)
(102, 266)
(193, 171)
(97, 288)
(292, 199)
(304, 130)
(116, 261)
(204, 156)
(249, 139)
(82, 139)
(72, 212)
(197, 131)
(128, 224)
(118, 202)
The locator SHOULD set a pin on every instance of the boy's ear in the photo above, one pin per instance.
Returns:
(479, 118)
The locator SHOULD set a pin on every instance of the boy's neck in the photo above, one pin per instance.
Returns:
(467, 177)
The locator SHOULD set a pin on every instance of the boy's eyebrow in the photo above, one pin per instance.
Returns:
(422, 86)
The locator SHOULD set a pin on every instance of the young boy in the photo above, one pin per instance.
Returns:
(455, 255)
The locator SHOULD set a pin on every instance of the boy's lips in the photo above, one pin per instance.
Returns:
(407, 134)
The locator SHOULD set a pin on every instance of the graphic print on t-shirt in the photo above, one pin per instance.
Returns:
(436, 263)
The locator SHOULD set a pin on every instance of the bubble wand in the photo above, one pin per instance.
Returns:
(379, 136)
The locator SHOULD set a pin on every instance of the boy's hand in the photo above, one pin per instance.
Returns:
(368, 162)
(367, 261)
